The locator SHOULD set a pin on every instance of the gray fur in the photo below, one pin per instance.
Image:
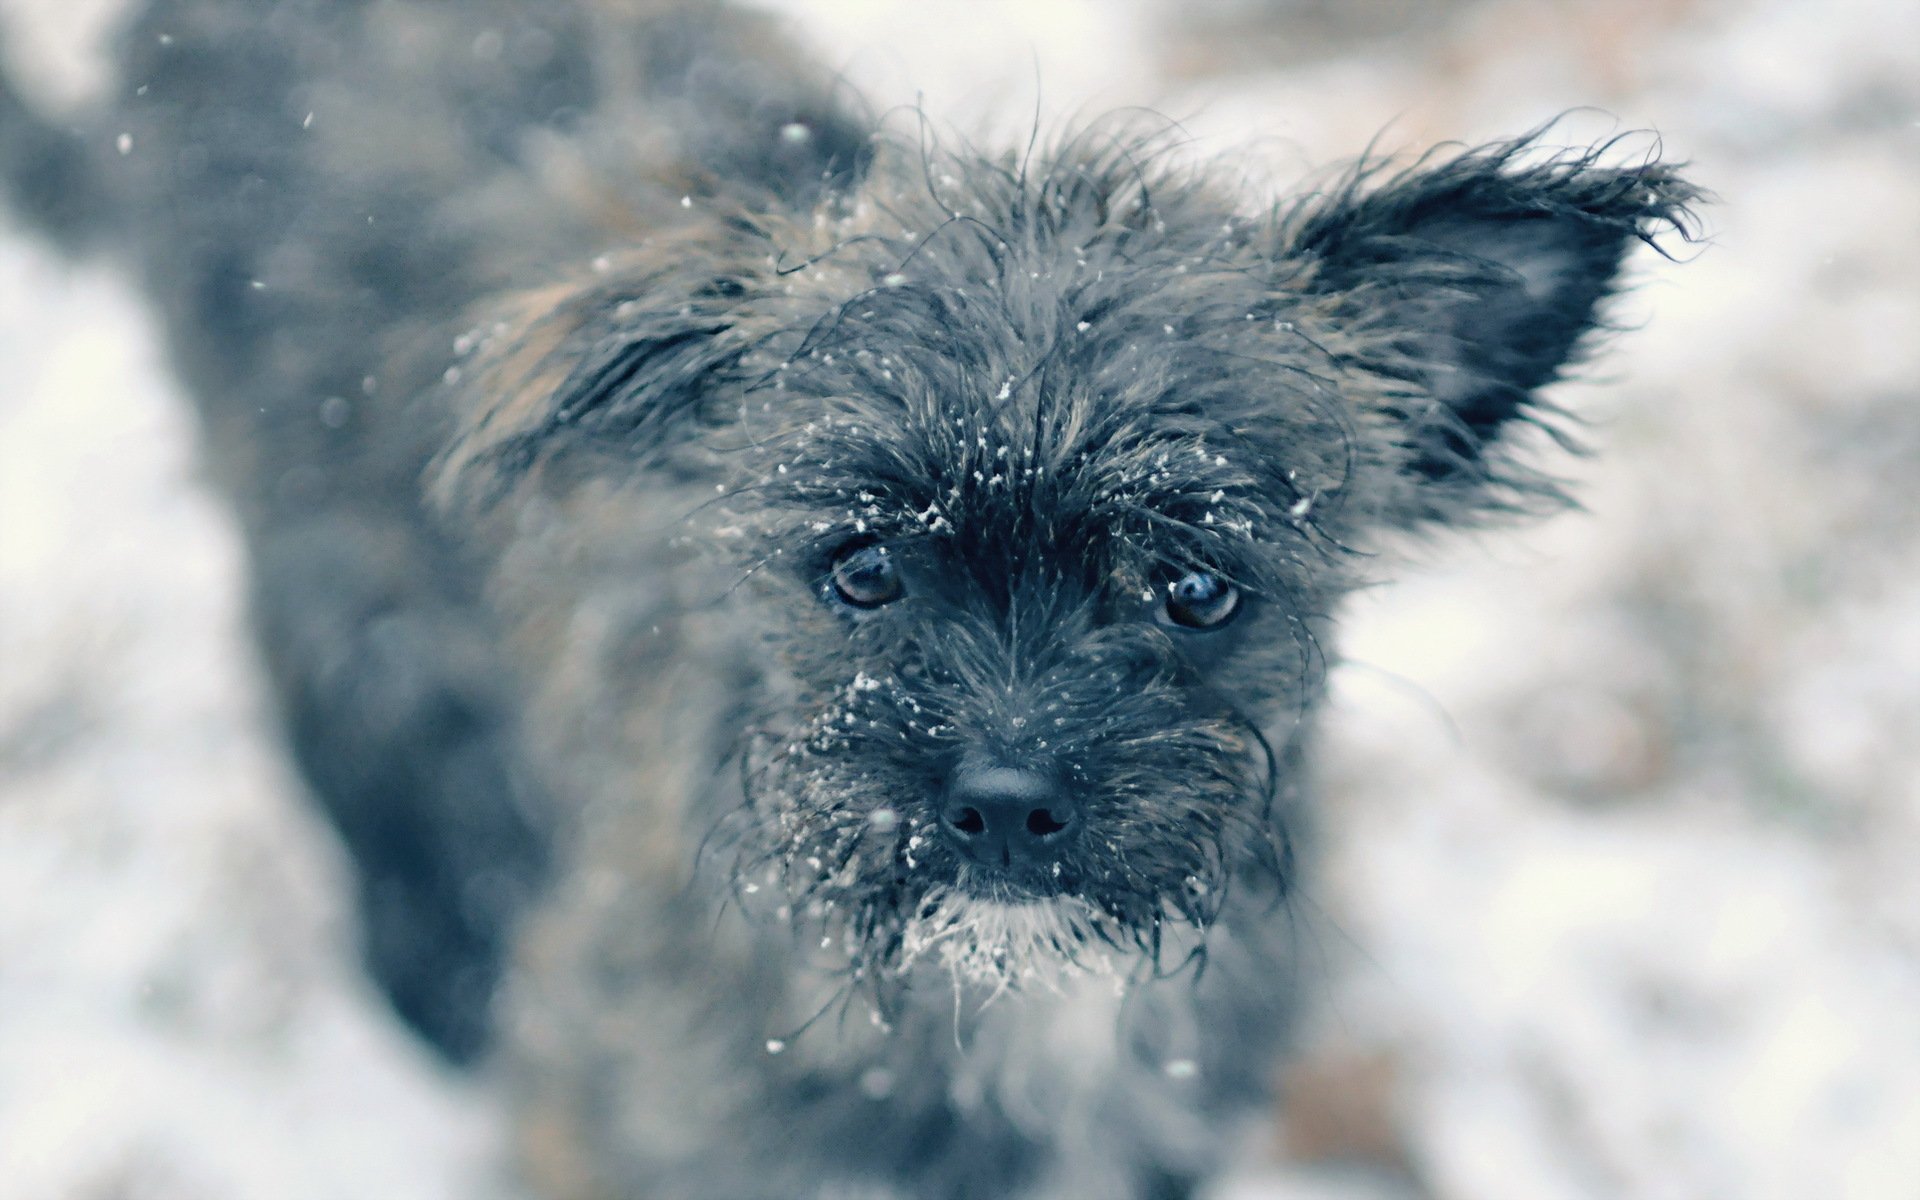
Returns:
(553, 362)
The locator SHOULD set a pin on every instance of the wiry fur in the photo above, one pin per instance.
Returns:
(664, 334)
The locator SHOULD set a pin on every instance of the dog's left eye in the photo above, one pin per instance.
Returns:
(866, 577)
(1200, 600)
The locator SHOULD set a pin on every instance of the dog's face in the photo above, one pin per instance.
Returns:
(1044, 482)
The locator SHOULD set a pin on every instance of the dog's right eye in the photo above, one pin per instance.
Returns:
(866, 577)
(1200, 600)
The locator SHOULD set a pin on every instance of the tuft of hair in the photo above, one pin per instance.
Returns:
(1004, 946)
(1483, 273)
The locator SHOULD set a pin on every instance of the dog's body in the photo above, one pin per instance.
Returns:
(844, 617)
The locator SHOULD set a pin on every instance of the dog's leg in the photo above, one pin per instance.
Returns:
(393, 697)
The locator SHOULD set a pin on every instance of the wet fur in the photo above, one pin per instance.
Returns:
(550, 364)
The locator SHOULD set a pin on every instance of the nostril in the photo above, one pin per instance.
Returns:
(1043, 821)
(1007, 817)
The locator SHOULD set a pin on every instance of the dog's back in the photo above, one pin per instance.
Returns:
(315, 194)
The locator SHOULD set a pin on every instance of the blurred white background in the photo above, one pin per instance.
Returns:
(1623, 809)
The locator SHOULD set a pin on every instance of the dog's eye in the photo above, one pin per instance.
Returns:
(1200, 600)
(866, 577)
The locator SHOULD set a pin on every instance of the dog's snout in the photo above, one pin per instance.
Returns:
(1008, 817)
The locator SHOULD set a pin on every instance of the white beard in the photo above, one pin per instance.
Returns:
(1061, 1022)
(1048, 945)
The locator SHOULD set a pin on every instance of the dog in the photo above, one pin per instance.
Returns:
(811, 636)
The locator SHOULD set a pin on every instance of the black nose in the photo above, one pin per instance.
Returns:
(1007, 816)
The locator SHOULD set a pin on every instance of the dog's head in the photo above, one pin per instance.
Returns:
(1045, 475)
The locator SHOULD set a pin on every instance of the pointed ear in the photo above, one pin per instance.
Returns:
(1469, 284)
(575, 380)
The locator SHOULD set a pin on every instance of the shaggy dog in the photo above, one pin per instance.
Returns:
(810, 637)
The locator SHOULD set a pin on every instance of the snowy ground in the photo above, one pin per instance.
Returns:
(1624, 808)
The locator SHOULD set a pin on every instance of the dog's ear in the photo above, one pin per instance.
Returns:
(574, 379)
(1466, 285)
